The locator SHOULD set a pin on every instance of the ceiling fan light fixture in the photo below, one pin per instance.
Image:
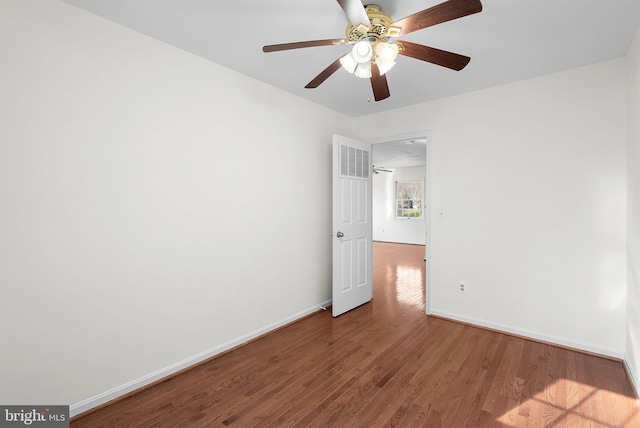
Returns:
(349, 63)
(386, 54)
(383, 67)
(358, 61)
(363, 70)
(362, 51)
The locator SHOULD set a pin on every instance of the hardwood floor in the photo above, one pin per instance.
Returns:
(386, 364)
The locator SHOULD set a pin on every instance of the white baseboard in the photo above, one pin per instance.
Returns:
(633, 376)
(105, 397)
(532, 335)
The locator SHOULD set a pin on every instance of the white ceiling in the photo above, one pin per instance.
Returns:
(400, 154)
(509, 40)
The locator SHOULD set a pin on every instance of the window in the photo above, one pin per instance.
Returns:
(409, 199)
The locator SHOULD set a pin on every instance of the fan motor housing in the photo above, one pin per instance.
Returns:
(379, 30)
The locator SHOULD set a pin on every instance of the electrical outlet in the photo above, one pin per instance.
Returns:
(462, 288)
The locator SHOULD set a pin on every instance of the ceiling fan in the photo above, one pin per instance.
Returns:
(379, 169)
(372, 33)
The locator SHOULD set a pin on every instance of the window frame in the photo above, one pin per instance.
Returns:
(397, 201)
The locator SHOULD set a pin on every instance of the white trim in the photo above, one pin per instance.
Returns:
(427, 242)
(633, 376)
(532, 335)
(105, 397)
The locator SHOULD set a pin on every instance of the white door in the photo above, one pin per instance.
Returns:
(352, 231)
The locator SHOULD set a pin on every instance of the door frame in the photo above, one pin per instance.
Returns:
(427, 198)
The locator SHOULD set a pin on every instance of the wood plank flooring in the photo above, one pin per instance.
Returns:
(386, 364)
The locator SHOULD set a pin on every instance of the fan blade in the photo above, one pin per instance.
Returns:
(443, 12)
(447, 59)
(355, 11)
(324, 75)
(298, 45)
(379, 84)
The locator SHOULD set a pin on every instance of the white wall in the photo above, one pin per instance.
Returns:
(633, 211)
(385, 226)
(154, 205)
(531, 176)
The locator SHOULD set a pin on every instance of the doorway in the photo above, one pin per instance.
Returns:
(398, 159)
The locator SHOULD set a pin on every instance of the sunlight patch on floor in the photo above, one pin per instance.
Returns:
(408, 283)
(577, 398)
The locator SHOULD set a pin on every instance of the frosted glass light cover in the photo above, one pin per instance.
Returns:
(383, 67)
(363, 70)
(362, 51)
(386, 52)
(348, 63)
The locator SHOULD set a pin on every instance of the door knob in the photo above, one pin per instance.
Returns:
(339, 234)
